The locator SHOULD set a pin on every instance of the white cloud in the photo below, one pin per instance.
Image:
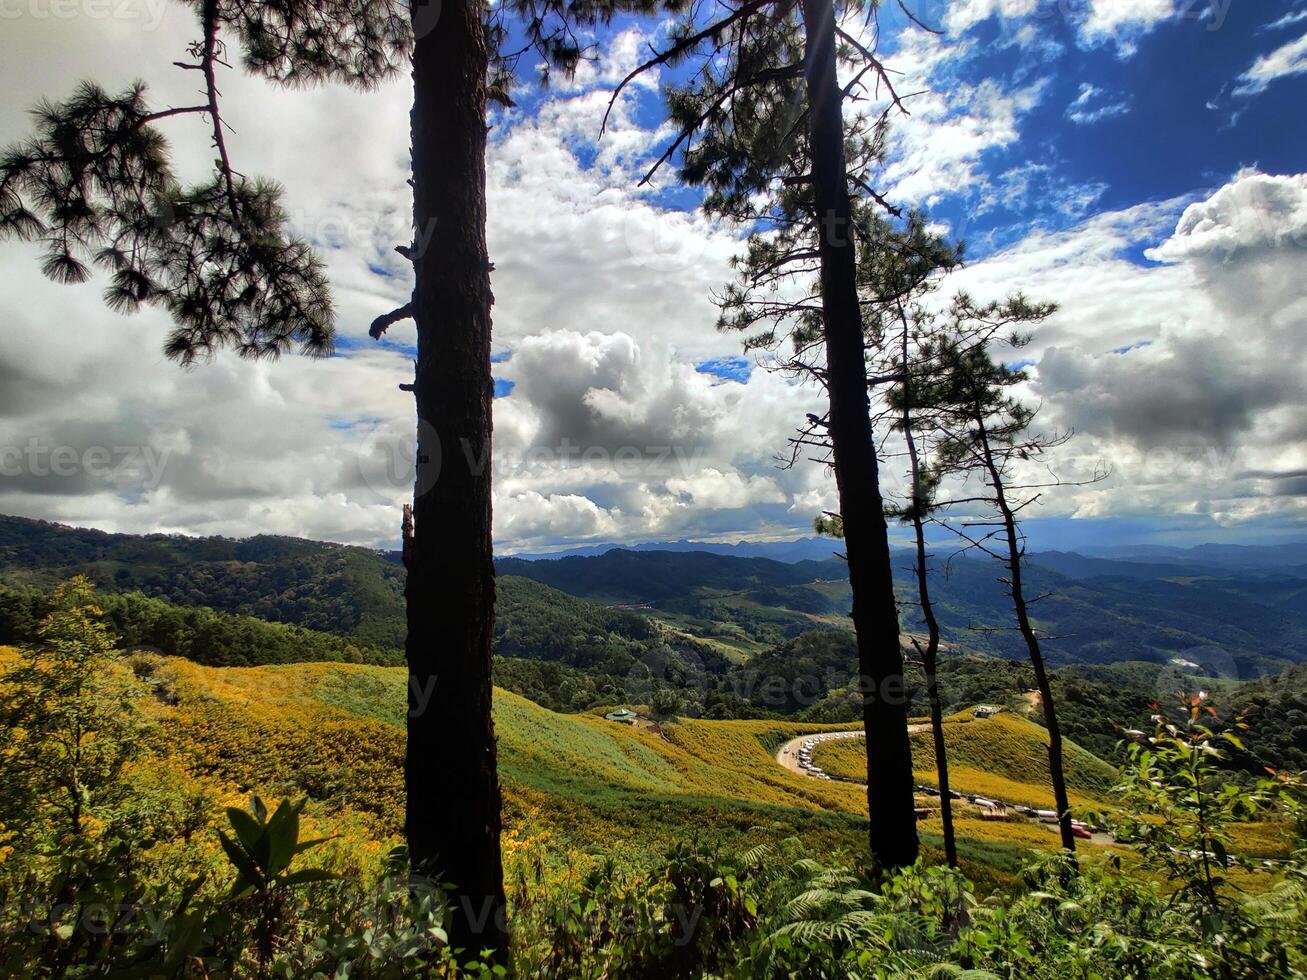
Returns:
(1122, 22)
(964, 14)
(603, 304)
(1184, 376)
(1286, 60)
(1119, 23)
(659, 447)
(937, 150)
(1287, 20)
(1089, 106)
(1253, 213)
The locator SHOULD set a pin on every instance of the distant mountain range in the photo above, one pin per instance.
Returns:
(1235, 621)
(1084, 563)
(1237, 611)
(1252, 557)
(801, 549)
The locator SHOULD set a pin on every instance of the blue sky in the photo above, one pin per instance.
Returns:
(1159, 115)
(1139, 161)
(1116, 108)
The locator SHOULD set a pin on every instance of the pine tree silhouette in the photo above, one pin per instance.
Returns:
(95, 187)
(761, 125)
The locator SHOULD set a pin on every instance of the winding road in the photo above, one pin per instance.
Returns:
(790, 756)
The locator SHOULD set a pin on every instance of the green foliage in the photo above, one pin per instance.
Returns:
(1277, 707)
(1177, 811)
(78, 822)
(68, 713)
(203, 635)
(188, 898)
(95, 184)
(801, 672)
(261, 850)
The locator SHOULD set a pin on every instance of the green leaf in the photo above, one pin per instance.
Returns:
(307, 875)
(283, 833)
(248, 830)
(249, 871)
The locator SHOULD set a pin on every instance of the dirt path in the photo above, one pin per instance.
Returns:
(791, 756)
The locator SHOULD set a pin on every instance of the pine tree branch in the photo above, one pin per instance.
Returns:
(676, 50)
(913, 17)
(875, 64)
(167, 113)
(766, 75)
(208, 62)
(384, 322)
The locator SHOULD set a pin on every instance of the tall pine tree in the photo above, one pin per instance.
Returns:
(983, 434)
(762, 125)
(897, 272)
(94, 184)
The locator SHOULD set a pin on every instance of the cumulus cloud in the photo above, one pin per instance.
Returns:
(937, 150)
(1255, 213)
(603, 312)
(657, 446)
(1122, 22)
(1184, 375)
(1116, 23)
(604, 309)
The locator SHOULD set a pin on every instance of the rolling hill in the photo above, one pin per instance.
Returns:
(576, 783)
(1004, 757)
(576, 787)
(1229, 619)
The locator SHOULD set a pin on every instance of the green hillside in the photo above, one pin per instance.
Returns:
(335, 733)
(731, 637)
(330, 587)
(1004, 757)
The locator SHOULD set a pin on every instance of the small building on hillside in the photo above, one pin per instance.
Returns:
(624, 715)
(984, 711)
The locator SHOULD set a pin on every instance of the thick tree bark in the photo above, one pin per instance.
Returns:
(452, 819)
(875, 613)
(1019, 605)
(930, 653)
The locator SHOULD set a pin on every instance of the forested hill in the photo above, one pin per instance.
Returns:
(1234, 619)
(268, 599)
(330, 587)
(653, 576)
(279, 600)
(1231, 619)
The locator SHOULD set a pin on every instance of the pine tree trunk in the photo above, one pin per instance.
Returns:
(1016, 587)
(875, 613)
(930, 654)
(452, 820)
